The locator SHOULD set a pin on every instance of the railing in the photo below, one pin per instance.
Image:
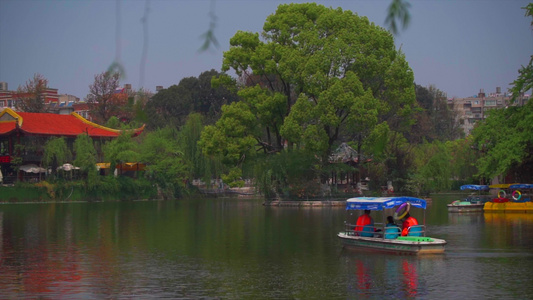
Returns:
(364, 231)
(386, 232)
(417, 230)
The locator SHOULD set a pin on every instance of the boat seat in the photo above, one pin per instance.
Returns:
(392, 232)
(368, 231)
(415, 230)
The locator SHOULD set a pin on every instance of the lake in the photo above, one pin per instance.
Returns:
(233, 248)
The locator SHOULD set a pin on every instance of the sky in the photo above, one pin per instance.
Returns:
(459, 46)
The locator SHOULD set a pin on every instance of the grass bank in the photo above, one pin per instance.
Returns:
(108, 189)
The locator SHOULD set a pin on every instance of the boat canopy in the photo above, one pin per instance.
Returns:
(521, 186)
(381, 203)
(501, 185)
(475, 187)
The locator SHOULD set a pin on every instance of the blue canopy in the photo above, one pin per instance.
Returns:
(381, 203)
(521, 186)
(475, 187)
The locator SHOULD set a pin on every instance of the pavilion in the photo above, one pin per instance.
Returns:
(24, 134)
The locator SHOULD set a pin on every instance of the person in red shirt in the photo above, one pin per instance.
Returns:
(365, 225)
(408, 221)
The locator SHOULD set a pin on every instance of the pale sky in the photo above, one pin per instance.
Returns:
(460, 46)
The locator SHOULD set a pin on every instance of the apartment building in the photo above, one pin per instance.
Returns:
(472, 109)
(8, 98)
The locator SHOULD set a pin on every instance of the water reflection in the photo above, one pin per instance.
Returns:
(508, 218)
(221, 248)
(513, 231)
(372, 275)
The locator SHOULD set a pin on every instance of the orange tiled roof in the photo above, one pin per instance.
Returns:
(53, 124)
(7, 127)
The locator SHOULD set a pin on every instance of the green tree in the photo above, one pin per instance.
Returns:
(172, 106)
(318, 75)
(232, 137)
(56, 153)
(201, 166)
(140, 100)
(209, 96)
(433, 167)
(113, 122)
(31, 96)
(504, 143)
(524, 82)
(121, 150)
(287, 174)
(86, 159)
(504, 140)
(463, 162)
(169, 107)
(397, 12)
(395, 161)
(434, 120)
(166, 165)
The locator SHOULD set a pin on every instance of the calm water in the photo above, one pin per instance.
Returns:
(237, 248)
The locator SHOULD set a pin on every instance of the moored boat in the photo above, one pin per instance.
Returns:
(472, 203)
(511, 198)
(379, 237)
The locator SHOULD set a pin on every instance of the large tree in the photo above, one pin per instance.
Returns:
(85, 158)
(434, 120)
(504, 142)
(524, 82)
(171, 106)
(318, 75)
(166, 165)
(103, 99)
(56, 153)
(31, 96)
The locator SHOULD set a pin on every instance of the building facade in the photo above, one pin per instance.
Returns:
(472, 109)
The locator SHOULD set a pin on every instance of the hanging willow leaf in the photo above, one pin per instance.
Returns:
(398, 11)
(117, 67)
(209, 37)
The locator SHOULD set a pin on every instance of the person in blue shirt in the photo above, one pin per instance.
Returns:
(392, 230)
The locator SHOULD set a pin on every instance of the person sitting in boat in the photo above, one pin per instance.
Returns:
(365, 225)
(409, 221)
(392, 230)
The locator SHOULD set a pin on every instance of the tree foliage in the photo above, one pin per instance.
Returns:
(505, 143)
(200, 165)
(434, 120)
(166, 164)
(504, 140)
(56, 153)
(316, 76)
(287, 173)
(86, 159)
(31, 96)
(524, 82)
(121, 150)
(171, 106)
(232, 137)
(398, 12)
(433, 165)
(463, 160)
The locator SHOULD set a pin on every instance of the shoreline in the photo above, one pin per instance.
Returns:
(317, 203)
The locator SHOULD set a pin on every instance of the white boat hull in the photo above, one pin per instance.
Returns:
(434, 246)
(466, 207)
